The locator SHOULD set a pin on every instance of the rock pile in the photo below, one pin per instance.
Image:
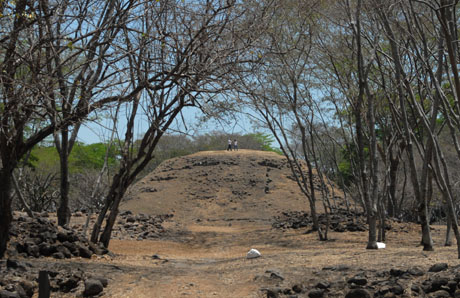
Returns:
(338, 281)
(140, 226)
(339, 221)
(19, 279)
(40, 237)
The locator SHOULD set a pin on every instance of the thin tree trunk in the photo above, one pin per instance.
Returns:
(107, 204)
(382, 219)
(21, 196)
(448, 230)
(427, 242)
(6, 216)
(63, 212)
(402, 81)
(403, 192)
(106, 234)
(372, 239)
(392, 201)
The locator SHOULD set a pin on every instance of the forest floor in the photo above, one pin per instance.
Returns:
(209, 260)
(225, 203)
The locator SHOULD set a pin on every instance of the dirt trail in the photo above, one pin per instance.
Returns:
(212, 263)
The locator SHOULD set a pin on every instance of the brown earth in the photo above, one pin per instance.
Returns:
(219, 186)
(224, 203)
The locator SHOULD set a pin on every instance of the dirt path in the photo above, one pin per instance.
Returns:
(210, 261)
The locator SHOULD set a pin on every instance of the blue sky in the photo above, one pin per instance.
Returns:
(92, 132)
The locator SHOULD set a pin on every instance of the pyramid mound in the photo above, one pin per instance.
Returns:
(219, 186)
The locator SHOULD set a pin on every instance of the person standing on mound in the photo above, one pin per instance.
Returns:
(229, 147)
(235, 145)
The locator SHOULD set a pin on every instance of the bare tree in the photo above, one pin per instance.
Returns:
(280, 95)
(58, 63)
(193, 52)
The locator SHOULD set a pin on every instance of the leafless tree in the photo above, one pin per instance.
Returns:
(280, 94)
(59, 62)
(193, 52)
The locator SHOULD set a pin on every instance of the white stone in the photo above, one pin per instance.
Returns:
(253, 253)
(380, 245)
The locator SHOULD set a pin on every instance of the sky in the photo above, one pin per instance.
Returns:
(92, 132)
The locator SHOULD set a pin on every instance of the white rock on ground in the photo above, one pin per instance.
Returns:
(253, 253)
(380, 245)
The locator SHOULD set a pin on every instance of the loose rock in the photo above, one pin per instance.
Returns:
(438, 267)
(93, 287)
(358, 293)
(253, 253)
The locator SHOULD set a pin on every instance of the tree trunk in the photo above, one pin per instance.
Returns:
(21, 197)
(381, 217)
(372, 219)
(6, 216)
(314, 215)
(427, 242)
(448, 230)
(100, 218)
(392, 201)
(63, 212)
(107, 233)
(110, 199)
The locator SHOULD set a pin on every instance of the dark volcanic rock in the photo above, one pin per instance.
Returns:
(64, 250)
(339, 221)
(270, 164)
(416, 271)
(28, 287)
(397, 289)
(396, 272)
(323, 285)
(46, 249)
(58, 255)
(437, 283)
(440, 294)
(21, 292)
(358, 293)
(358, 280)
(36, 237)
(93, 287)
(297, 288)
(316, 293)
(438, 267)
(8, 294)
(104, 281)
(68, 284)
(83, 250)
(140, 227)
(275, 275)
(273, 293)
(12, 264)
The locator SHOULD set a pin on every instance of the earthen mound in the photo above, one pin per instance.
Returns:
(219, 186)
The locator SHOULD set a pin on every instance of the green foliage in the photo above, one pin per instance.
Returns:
(346, 173)
(29, 160)
(91, 156)
(83, 157)
(349, 156)
(47, 158)
(266, 142)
